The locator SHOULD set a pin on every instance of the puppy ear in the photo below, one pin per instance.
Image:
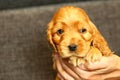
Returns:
(99, 42)
(49, 35)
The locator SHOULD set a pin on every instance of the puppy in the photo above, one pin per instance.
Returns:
(75, 37)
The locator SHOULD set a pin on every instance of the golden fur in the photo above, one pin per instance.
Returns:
(71, 26)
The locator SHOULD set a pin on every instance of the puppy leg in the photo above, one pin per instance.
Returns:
(73, 60)
(93, 55)
(76, 61)
(80, 61)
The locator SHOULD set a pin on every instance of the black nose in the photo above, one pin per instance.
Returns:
(72, 47)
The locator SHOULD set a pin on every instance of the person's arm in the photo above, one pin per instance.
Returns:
(108, 68)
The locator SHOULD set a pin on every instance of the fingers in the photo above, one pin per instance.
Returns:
(90, 66)
(93, 66)
(88, 75)
(70, 71)
(59, 77)
(105, 62)
(61, 71)
(100, 67)
(89, 71)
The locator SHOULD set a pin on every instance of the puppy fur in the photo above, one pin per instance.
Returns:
(74, 36)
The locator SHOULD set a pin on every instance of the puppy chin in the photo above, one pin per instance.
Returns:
(72, 54)
(65, 55)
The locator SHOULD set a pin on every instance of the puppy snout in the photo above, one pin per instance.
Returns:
(72, 47)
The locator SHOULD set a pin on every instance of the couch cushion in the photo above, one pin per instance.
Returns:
(24, 50)
(11, 4)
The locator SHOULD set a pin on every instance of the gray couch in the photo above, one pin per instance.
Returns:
(24, 51)
(11, 4)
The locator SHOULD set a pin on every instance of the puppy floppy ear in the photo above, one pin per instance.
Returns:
(49, 35)
(99, 42)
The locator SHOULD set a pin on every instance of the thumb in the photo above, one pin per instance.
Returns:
(90, 66)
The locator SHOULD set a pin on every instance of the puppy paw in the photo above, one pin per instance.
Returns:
(93, 55)
(75, 61)
(80, 61)
(72, 60)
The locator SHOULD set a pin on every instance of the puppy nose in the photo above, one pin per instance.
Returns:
(72, 47)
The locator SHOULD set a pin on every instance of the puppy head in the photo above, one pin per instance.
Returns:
(71, 32)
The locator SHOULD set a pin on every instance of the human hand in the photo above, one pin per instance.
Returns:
(64, 69)
(108, 68)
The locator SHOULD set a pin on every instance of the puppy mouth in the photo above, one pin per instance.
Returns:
(72, 52)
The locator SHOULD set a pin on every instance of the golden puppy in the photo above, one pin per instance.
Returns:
(74, 36)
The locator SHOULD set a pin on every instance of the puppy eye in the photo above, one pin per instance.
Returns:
(60, 31)
(83, 30)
